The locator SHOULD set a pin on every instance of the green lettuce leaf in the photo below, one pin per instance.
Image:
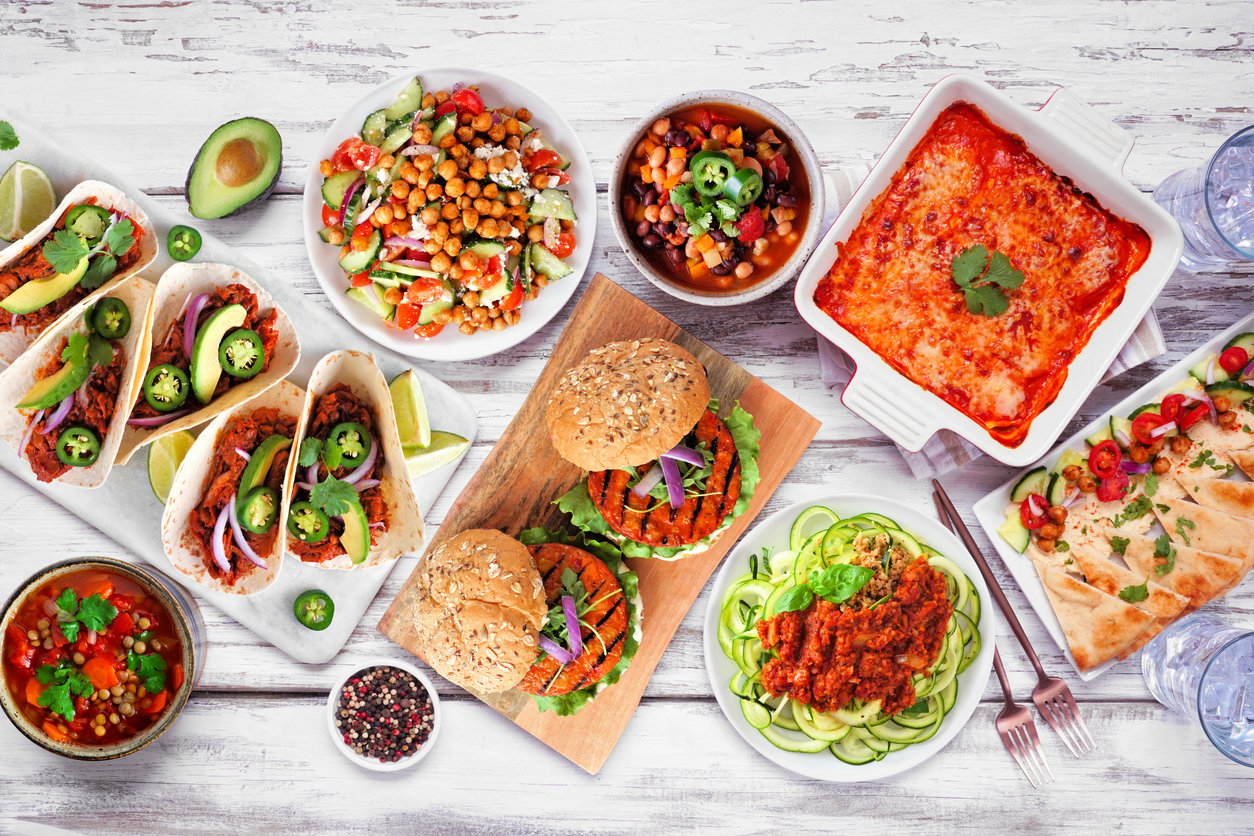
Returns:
(565, 705)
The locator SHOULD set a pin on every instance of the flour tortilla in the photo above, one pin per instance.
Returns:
(16, 341)
(174, 288)
(182, 547)
(1201, 576)
(361, 374)
(1098, 626)
(17, 380)
(1212, 531)
(1230, 497)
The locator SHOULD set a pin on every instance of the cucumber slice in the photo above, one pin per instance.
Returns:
(1014, 532)
(486, 249)
(445, 126)
(1056, 493)
(406, 270)
(1155, 408)
(495, 293)
(325, 234)
(1235, 391)
(406, 102)
(1245, 341)
(336, 186)
(1121, 426)
(552, 203)
(358, 261)
(1202, 369)
(374, 129)
(372, 302)
(396, 139)
(445, 303)
(550, 265)
(1035, 480)
(1098, 437)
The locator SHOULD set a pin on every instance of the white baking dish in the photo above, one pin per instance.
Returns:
(1077, 142)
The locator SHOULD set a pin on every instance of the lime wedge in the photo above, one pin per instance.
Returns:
(27, 198)
(444, 448)
(412, 423)
(164, 457)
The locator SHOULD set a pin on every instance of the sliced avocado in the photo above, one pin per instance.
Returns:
(237, 167)
(58, 386)
(39, 292)
(356, 536)
(259, 465)
(206, 369)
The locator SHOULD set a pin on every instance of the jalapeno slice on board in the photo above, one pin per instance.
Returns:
(710, 170)
(182, 243)
(166, 387)
(111, 318)
(307, 523)
(88, 221)
(258, 510)
(347, 445)
(743, 187)
(242, 354)
(314, 609)
(78, 447)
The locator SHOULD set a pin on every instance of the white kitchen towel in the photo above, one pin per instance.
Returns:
(947, 451)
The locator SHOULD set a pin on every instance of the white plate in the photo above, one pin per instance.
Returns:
(773, 532)
(125, 509)
(450, 344)
(375, 765)
(1077, 142)
(990, 511)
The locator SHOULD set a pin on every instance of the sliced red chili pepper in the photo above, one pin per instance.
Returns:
(1113, 487)
(1144, 424)
(1191, 415)
(1170, 407)
(1234, 359)
(1034, 519)
(1104, 458)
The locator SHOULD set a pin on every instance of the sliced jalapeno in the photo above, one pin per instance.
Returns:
(166, 388)
(710, 170)
(743, 187)
(347, 445)
(307, 523)
(182, 243)
(314, 609)
(78, 447)
(258, 511)
(111, 318)
(241, 353)
(88, 221)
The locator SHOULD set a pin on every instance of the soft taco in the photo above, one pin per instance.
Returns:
(64, 402)
(218, 340)
(351, 501)
(96, 238)
(221, 527)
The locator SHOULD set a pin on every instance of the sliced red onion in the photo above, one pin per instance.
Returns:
(369, 210)
(420, 115)
(379, 524)
(556, 650)
(1122, 438)
(348, 197)
(496, 117)
(305, 486)
(1072, 499)
(13, 321)
(422, 262)
(30, 430)
(244, 454)
(367, 484)
(572, 626)
(311, 474)
(238, 534)
(647, 481)
(91, 636)
(403, 241)
(459, 85)
(359, 472)
(1034, 506)
(219, 529)
(417, 150)
(51, 608)
(1210, 372)
(551, 228)
(1134, 467)
(55, 419)
(674, 484)
(1249, 368)
(1160, 431)
(372, 290)
(189, 322)
(156, 420)
(680, 453)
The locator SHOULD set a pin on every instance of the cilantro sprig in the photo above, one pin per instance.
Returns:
(91, 613)
(8, 136)
(705, 213)
(984, 280)
(1167, 552)
(62, 682)
(67, 250)
(333, 496)
(150, 668)
(310, 450)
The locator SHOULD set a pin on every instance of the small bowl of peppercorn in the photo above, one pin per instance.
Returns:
(384, 716)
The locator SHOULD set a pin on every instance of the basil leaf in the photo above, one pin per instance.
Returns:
(797, 598)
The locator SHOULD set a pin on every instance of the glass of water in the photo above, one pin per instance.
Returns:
(1214, 205)
(1203, 667)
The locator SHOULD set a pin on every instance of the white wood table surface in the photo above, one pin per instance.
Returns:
(138, 85)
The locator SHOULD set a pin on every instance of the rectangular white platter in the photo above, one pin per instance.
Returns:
(125, 507)
(990, 511)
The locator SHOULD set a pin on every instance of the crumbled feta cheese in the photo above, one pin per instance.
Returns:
(533, 142)
(419, 230)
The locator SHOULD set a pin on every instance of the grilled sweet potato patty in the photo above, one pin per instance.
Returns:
(605, 633)
(646, 520)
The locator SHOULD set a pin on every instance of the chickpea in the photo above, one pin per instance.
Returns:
(468, 260)
(1161, 466)
(422, 134)
(358, 245)
(409, 173)
(1138, 454)
(449, 140)
(465, 133)
(496, 133)
(386, 161)
(482, 122)
(464, 202)
(784, 228)
(1157, 446)
(470, 299)
(430, 215)
(540, 280)
(447, 169)
(496, 165)
(441, 97)
(514, 198)
(1180, 445)
(400, 189)
(441, 230)
(440, 262)
(487, 228)
(325, 168)
(431, 246)
(482, 205)
(512, 127)
(514, 247)
(456, 227)
(425, 178)
(497, 209)
(470, 218)
(393, 295)
(1071, 472)
(1045, 545)
(491, 191)
(464, 117)
(466, 327)
(1222, 404)
(79, 658)
(442, 317)
(448, 211)
(1086, 484)
(479, 315)
(1057, 514)
(434, 191)
(743, 270)
(1227, 420)
(472, 189)
(478, 169)
(494, 312)
(414, 203)
(523, 114)
(453, 245)
(424, 162)
(455, 188)
(535, 232)
(383, 215)
(498, 324)
(141, 647)
(455, 272)
(428, 100)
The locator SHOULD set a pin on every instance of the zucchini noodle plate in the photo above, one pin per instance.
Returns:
(851, 639)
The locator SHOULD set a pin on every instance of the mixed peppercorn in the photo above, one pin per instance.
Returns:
(384, 714)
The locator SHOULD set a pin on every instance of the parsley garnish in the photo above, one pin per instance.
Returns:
(150, 668)
(704, 213)
(310, 449)
(8, 136)
(62, 683)
(1119, 545)
(984, 280)
(1181, 524)
(1135, 509)
(93, 613)
(1132, 594)
(333, 496)
(1164, 549)
(1151, 483)
(1062, 546)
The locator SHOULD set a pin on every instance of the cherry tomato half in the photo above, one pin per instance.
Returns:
(751, 226)
(330, 217)
(1104, 459)
(424, 290)
(362, 233)
(1233, 360)
(514, 299)
(467, 101)
(429, 330)
(1190, 416)
(1113, 487)
(364, 155)
(562, 177)
(564, 245)
(1031, 519)
(1170, 408)
(446, 108)
(1144, 424)
(360, 279)
(407, 314)
(544, 158)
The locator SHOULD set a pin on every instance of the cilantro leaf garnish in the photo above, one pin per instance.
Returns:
(95, 613)
(1119, 545)
(1164, 549)
(310, 449)
(99, 352)
(150, 668)
(63, 682)
(98, 272)
(120, 237)
(1135, 509)
(75, 351)
(1204, 457)
(65, 251)
(8, 136)
(983, 280)
(1181, 524)
(1132, 594)
(1062, 546)
(1151, 483)
(333, 496)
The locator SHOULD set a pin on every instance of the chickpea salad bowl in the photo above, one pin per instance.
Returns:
(450, 214)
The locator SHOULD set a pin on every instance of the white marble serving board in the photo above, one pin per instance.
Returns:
(125, 507)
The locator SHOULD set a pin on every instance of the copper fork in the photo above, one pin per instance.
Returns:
(1052, 696)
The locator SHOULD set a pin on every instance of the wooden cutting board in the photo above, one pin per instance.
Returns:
(516, 486)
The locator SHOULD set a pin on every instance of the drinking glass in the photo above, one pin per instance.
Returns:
(1202, 666)
(1214, 205)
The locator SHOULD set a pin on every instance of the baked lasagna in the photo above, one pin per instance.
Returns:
(970, 183)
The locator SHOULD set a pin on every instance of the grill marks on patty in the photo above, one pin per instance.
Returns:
(602, 644)
(653, 522)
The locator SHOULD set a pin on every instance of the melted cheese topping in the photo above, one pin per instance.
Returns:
(968, 182)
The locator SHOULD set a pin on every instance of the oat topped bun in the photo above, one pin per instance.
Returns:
(626, 403)
(480, 608)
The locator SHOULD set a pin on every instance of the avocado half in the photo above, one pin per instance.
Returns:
(237, 167)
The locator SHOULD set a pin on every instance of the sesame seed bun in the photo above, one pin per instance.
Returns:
(480, 608)
(626, 403)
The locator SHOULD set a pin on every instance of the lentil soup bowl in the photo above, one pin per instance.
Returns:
(717, 197)
(99, 657)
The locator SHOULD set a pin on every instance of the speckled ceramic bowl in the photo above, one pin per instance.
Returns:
(188, 625)
(437, 718)
(785, 128)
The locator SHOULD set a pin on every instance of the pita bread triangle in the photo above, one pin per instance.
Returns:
(1199, 575)
(1236, 498)
(1097, 626)
(1110, 577)
(1243, 459)
(1208, 530)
